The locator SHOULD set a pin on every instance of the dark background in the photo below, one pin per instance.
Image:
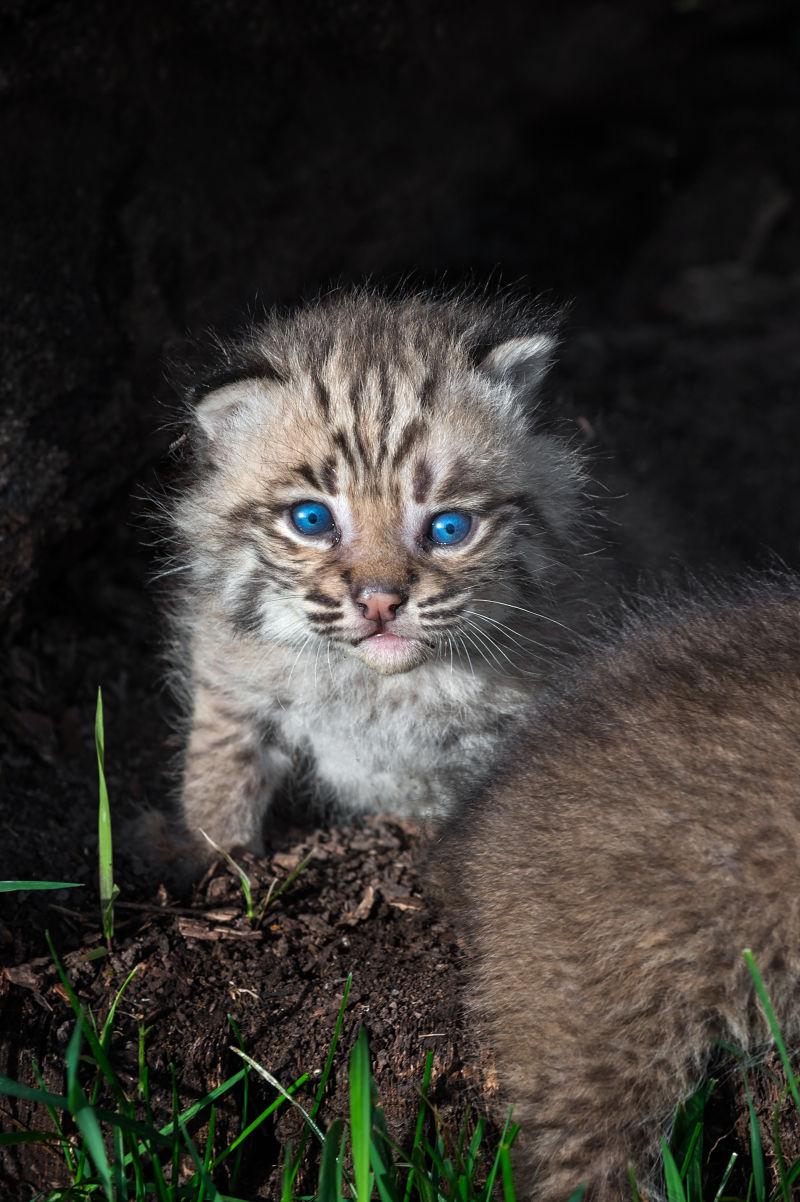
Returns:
(166, 167)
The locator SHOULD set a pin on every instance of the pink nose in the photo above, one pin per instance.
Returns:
(379, 607)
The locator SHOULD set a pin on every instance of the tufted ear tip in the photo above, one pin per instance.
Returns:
(521, 362)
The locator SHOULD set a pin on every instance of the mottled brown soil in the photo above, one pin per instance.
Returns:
(355, 908)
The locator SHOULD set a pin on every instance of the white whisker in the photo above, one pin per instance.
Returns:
(316, 662)
(490, 642)
(185, 567)
(466, 652)
(486, 639)
(511, 633)
(297, 657)
(477, 647)
(522, 609)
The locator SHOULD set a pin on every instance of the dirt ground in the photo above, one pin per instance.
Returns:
(680, 356)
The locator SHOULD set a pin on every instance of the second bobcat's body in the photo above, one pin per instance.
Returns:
(647, 833)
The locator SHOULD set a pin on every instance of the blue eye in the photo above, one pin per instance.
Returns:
(449, 528)
(310, 517)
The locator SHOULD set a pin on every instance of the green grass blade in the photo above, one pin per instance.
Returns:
(191, 1112)
(756, 1151)
(245, 884)
(108, 890)
(210, 1191)
(120, 1176)
(208, 1155)
(131, 1126)
(474, 1148)
(337, 1031)
(763, 997)
(686, 1141)
(84, 1115)
(275, 1083)
(89, 1127)
(381, 1153)
(99, 1054)
(419, 1126)
(330, 1180)
(105, 1033)
(424, 1182)
(672, 1177)
(236, 1167)
(143, 1074)
(212, 1096)
(635, 1195)
(66, 1149)
(71, 1058)
(439, 1162)
(577, 1194)
(507, 1137)
(251, 1127)
(287, 1188)
(33, 886)
(725, 1176)
(9, 1138)
(507, 1176)
(691, 1166)
(15, 1089)
(319, 1092)
(273, 896)
(791, 1176)
(360, 1085)
(383, 1168)
(777, 1149)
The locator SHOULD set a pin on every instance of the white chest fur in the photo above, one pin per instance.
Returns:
(408, 743)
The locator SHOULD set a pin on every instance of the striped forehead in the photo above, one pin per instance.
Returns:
(383, 424)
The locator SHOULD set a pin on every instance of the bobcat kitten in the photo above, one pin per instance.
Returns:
(382, 553)
(647, 832)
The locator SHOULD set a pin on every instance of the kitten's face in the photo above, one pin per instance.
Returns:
(373, 504)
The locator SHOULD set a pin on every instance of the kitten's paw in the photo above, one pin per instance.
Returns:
(162, 852)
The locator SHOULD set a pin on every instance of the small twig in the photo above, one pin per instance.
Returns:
(185, 911)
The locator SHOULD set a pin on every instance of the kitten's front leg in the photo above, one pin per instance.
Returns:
(230, 774)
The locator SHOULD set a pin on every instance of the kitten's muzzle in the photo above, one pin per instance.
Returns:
(379, 606)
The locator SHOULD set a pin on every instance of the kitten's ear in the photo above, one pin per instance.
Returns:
(215, 410)
(521, 362)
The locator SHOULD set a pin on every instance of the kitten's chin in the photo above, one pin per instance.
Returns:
(391, 653)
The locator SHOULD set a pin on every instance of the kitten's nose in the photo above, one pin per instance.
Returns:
(379, 607)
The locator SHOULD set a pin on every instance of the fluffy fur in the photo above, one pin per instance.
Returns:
(388, 411)
(647, 832)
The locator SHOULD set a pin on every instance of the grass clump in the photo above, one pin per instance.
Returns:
(113, 1147)
(111, 1144)
(255, 911)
